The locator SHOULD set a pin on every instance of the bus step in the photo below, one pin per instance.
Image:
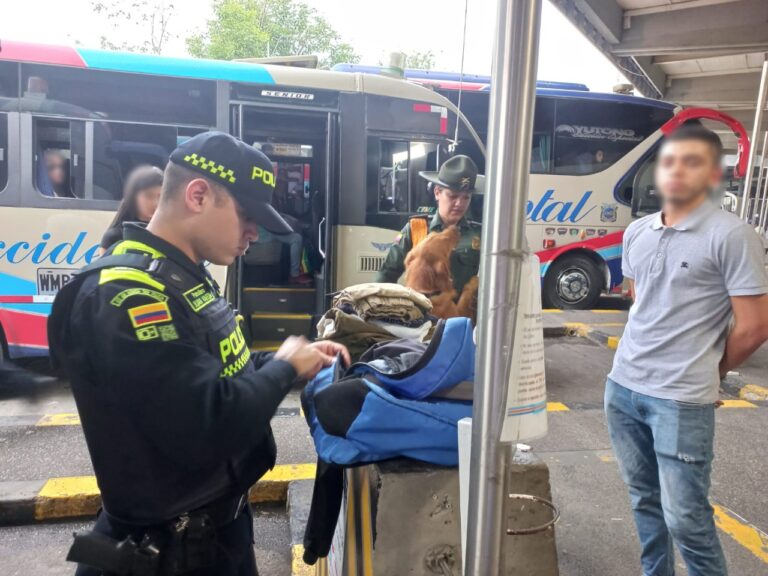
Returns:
(277, 327)
(279, 300)
(265, 345)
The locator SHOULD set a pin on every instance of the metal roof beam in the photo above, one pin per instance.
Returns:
(703, 30)
(714, 91)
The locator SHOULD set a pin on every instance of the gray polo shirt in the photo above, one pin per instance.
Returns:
(684, 277)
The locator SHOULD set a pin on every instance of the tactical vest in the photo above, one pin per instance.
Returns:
(214, 327)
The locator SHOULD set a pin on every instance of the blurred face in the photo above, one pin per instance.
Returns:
(686, 171)
(451, 205)
(222, 230)
(599, 156)
(55, 164)
(146, 203)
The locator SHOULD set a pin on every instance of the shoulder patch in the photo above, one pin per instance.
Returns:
(121, 297)
(149, 314)
(199, 297)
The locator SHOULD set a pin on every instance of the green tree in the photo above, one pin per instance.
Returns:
(145, 20)
(261, 28)
(420, 60)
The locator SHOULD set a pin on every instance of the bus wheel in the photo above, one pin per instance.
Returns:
(573, 282)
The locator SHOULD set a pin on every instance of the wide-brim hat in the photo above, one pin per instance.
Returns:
(459, 174)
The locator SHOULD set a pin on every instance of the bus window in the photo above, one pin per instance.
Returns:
(393, 176)
(543, 125)
(3, 151)
(637, 188)
(398, 188)
(9, 86)
(59, 170)
(118, 148)
(117, 96)
(592, 135)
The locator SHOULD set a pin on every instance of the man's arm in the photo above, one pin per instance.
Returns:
(749, 332)
(394, 264)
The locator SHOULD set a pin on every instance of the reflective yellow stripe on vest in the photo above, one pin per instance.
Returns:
(112, 274)
(419, 230)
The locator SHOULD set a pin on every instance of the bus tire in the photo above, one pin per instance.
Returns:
(572, 283)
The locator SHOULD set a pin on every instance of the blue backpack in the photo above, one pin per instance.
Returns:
(371, 413)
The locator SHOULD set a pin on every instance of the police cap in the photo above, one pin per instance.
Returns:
(244, 171)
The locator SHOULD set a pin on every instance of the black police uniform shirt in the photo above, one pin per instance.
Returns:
(175, 408)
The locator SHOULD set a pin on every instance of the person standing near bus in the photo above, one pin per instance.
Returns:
(174, 407)
(141, 195)
(701, 309)
(453, 185)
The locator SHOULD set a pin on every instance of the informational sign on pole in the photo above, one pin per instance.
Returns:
(525, 417)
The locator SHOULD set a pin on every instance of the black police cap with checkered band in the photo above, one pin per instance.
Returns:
(244, 171)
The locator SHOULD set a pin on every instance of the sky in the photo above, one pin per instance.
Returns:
(373, 28)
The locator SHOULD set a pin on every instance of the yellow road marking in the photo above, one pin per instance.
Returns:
(557, 407)
(298, 568)
(63, 419)
(737, 404)
(750, 537)
(75, 496)
(607, 311)
(607, 457)
(552, 311)
(613, 342)
(753, 392)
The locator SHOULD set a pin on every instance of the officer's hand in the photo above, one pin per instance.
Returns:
(305, 358)
(333, 349)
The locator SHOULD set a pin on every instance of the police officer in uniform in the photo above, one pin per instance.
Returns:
(453, 186)
(175, 408)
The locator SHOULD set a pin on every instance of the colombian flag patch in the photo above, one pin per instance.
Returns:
(149, 314)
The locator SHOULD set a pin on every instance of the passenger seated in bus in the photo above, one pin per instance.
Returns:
(296, 245)
(53, 174)
(141, 194)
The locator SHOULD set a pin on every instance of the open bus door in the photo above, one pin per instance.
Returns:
(300, 145)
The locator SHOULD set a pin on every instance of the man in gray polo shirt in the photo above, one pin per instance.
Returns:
(701, 308)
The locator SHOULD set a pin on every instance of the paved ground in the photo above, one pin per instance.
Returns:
(595, 536)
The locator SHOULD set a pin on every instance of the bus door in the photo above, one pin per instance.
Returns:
(282, 280)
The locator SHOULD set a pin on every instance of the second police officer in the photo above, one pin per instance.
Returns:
(174, 407)
(453, 187)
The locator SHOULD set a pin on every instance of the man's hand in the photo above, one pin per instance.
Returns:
(333, 349)
(309, 358)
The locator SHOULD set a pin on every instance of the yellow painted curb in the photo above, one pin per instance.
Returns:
(557, 407)
(67, 498)
(750, 537)
(753, 392)
(298, 568)
(552, 311)
(607, 311)
(737, 404)
(63, 419)
(77, 496)
(613, 342)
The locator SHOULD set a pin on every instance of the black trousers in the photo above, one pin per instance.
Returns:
(235, 545)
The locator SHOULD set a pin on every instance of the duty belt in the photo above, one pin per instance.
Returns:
(182, 545)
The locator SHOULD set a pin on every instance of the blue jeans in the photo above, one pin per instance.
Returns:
(664, 450)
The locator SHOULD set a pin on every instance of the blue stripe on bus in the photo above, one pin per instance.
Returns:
(43, 308)
(184, 67)
(610, 252)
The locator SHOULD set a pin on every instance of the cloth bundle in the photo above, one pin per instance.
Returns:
(368, 314)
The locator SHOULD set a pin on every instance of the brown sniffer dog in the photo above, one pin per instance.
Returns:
(428, 270)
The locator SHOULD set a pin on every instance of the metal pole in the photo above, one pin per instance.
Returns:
(764, 213)
(761, 96)
(508, 163)
(757, 207)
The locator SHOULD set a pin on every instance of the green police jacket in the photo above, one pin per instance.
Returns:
(465, 260)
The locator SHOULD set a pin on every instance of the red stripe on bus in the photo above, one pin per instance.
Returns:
(16, 299)
(591, 244)
(42, 53)
(23, 328)
(422, 108)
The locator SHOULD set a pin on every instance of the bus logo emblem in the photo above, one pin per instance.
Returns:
(562, 231)
(608, 213)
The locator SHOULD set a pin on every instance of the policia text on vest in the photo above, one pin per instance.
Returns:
(175, 408)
